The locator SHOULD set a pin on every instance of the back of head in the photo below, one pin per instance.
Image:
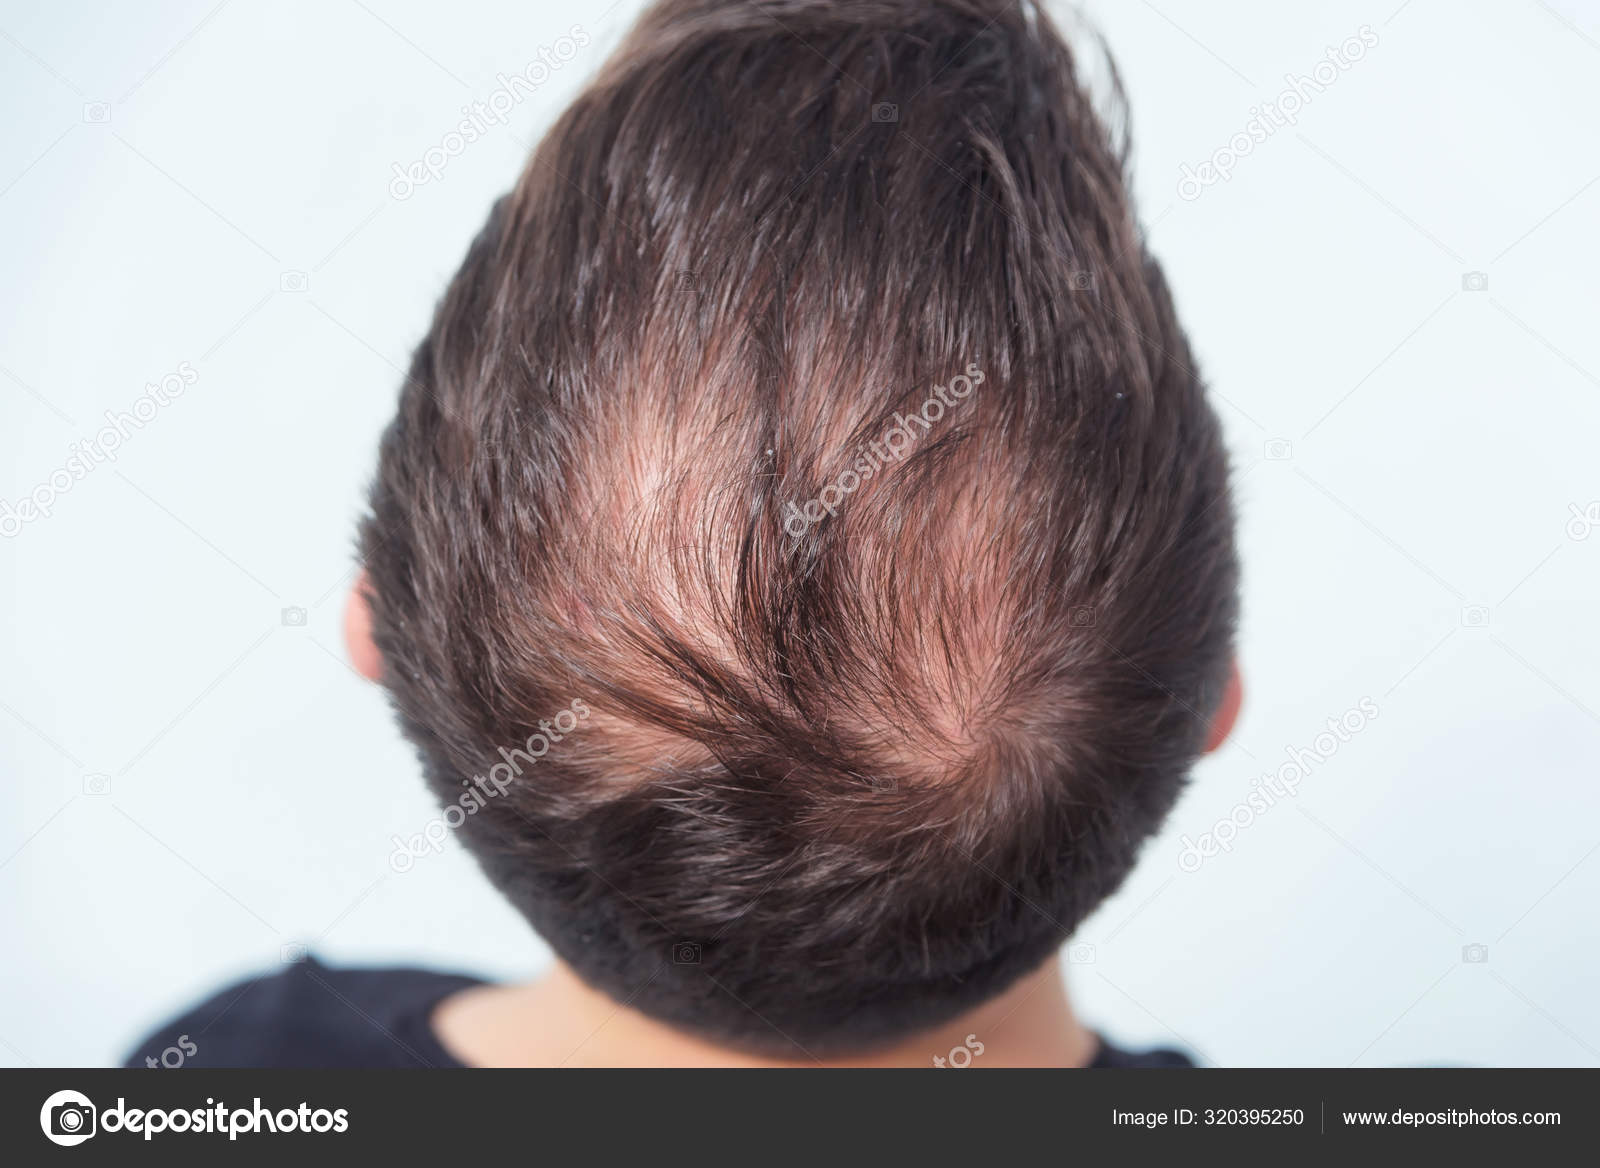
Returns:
(805, 512)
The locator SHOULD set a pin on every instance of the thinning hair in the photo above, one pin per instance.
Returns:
(852, 730)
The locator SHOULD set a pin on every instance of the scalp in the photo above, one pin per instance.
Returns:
(878, 767)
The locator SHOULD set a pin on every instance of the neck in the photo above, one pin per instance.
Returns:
(560, 1021)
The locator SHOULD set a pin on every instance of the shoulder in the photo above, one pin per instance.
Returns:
(310, 1015)
(1109, 1057)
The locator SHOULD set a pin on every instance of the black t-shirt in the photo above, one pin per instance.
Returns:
(309, 1015)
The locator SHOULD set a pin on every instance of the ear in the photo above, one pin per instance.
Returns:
(1228, 711)
(364, 655)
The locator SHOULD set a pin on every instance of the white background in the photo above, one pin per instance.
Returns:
(1438, 437)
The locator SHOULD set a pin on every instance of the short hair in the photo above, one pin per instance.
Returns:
(810, 434)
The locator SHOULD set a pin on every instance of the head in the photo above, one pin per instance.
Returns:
(803, 550)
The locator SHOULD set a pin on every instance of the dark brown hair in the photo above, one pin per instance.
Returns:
(867, 725)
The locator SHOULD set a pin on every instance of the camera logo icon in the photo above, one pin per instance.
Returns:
(1277, 450)
(1080, 954)
(1080, 281)
(1081, 617)
(97, 112)
(1475, 616)
(1475, 282)
(293, 282)
(1475, 954)
(685, 278)
(293, 953)
(885, 112)
(686, 953)
(97, 784)
(68, 1118)
(294, 617)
